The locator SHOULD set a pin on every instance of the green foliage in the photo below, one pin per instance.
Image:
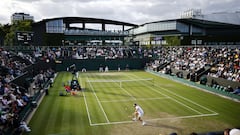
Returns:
(4, 29)
(9, 38)
(10, 32)
(172, 40)
(1, 31)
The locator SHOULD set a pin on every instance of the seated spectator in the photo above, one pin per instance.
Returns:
(23, 127)
(229, 89)
(20, 102)
(234, 131)
(25, 98)
(236, 91)
(226, 131)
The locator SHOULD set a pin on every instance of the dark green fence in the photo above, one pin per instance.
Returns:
(94, 64)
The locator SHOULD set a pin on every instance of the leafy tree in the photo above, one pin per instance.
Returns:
(25, 25)
(4, 29)
(172, 40)
(1, 34)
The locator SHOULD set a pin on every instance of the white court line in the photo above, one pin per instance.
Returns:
(126, 100)
(127, 92)
(168, 96)
(188, 100)
(177, 101)
(180, 117)
(99, 103)
(85, 101)
(157, 119)
(115, 81)
(184, 97)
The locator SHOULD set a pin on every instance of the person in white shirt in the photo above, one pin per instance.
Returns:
(23, 126)
(106, 69)
(138, 114)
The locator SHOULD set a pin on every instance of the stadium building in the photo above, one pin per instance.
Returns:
(193, 28)
(80, 31)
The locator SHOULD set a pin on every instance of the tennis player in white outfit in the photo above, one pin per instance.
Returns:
(138, 114)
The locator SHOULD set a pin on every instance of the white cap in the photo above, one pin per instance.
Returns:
(234, 131)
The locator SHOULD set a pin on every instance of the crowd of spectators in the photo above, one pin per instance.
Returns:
(92, 52)
(12, 103)
(224, 62)
(14, 98)
(10, 65)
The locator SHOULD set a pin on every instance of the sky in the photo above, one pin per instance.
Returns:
(132, 11)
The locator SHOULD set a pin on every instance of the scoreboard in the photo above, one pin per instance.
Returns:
(24, 38)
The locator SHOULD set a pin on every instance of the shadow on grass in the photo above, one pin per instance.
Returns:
(160, 125)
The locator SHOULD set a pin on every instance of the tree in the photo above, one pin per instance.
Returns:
(1, 34)
(172, 40)
(25, 25)
(4, 29)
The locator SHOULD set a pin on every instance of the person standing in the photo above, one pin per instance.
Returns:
(138, 114)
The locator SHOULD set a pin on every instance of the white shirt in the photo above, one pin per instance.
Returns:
(139, 109)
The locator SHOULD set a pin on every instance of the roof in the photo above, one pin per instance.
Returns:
(88, 20)
(200, 23)
(208, 24)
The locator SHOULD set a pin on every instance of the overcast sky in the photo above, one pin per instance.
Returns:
(132, 11)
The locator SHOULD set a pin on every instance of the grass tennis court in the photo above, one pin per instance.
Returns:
(106, 105)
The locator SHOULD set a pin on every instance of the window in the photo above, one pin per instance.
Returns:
(55, 26)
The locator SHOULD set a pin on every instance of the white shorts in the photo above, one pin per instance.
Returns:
(140, 115)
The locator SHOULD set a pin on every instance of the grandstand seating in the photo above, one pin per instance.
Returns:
(16, 101)
(186, 63)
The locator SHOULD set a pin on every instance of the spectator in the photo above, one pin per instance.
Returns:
(106, 69)
(229, 89)
(234, 131)
(226, 131)
(23, 127)
(236, 91)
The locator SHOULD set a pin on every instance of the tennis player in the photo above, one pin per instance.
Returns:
(138, 114)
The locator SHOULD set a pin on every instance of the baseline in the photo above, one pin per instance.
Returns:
(156, 119)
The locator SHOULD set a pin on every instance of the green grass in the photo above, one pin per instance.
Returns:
(105, 108)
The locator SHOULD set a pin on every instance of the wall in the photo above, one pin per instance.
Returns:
(222, 82)
(93, 64)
